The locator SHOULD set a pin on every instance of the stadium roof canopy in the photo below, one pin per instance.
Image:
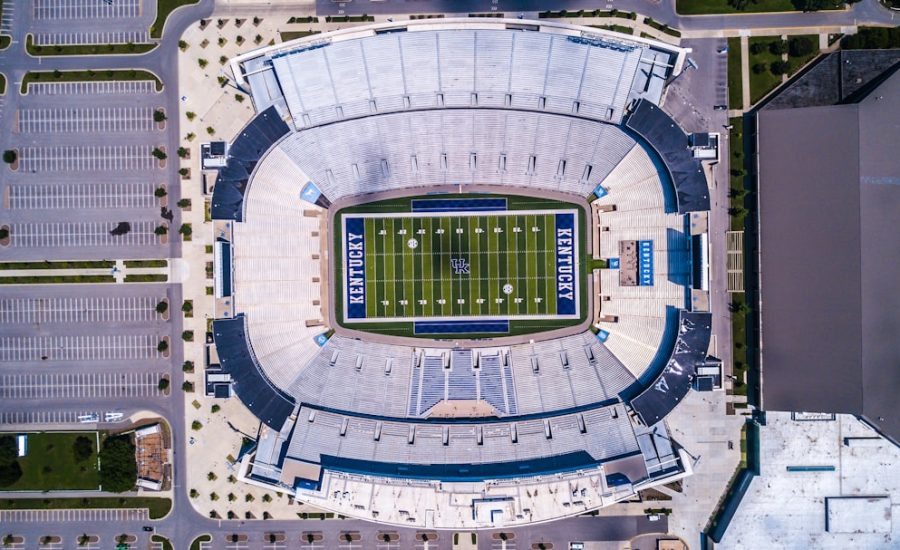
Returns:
(830, 258)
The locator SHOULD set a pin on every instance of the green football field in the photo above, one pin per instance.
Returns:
(449, 265)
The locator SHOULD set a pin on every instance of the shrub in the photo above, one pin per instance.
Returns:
(756, 48)
(185, 229)
(239, 98)
(162, 307)
(203, 63)
(159, 115)
(183, 152)
(191, 115)
(187, 336)
(182, 45)
(210, 130)
(223, 60)
(213, 497)
(159, 153)
(231, 497)
(222, 41)
(194, 493)
(183, 172)
(800, 46)
(267, 497)
(159, 192)
(759, 68)
(188, 386)
(163, 384)
(187, 366)
(215, 408)
(779, 67)
(83, 448)
(9, 156)
(187, 306)
(211, 476)
(777, 47)
(239, 39)
(190, 136)
(161, 230)
(162, 346)
(196, 425)
(119, 472)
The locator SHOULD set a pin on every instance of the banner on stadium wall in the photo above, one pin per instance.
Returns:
(645, 263)
(355, 267)
(566, 268)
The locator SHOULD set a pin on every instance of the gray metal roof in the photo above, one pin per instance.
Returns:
(830, 258)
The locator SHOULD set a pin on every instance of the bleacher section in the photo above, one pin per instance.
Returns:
(668, 139)
(407, 150)
(565, 373)
(462, 451)
(674, 381)
(247, 148)
(487, 68)
(267, 402)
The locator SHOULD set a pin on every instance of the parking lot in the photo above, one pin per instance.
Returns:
(75, 158)
(85, 9)
(79, 385)
(55, 516)
(79, 196)
(78, 348)
(55, 416)
(74, 234)
(101, 309)
(95, 119)
(98, 37)
(91, 88)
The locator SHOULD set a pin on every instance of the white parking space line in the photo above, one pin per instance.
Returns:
(85, 9)
(81, 196)
(73, 38)
(91, 88)
(78, 348)
(124, 309)
(87, 158)
(89, 515)
(6, 21)
(98, 119)
(79, 386)
(62, 234)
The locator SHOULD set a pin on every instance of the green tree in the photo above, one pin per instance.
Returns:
(800, 46)
(9, 156)
(778, 47)
(159, 115)
(163, 384)
(118, 468)
(9, 450)
(779, 68)
(162, 346)
(162, 307)
(83, 448)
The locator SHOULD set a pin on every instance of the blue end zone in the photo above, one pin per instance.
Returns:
(355, 263)
(460, 327)
(566, 274)
(457, 205)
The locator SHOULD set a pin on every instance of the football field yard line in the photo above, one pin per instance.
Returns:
(387, 242)
(428, 266)
(474, 289)
(550, 262)
(409, 271)
(530, 261)
(512, 265)
(371, 271)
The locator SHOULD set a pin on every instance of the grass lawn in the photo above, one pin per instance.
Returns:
(764, 82)
(292, 35)
(57, 265)
(147, 278)
(158, 507)
(615, 28)
(739, 338)
(163, 9)
(146, 263)
(86, 49)
(735, 86)
(126, 75)
(44, 280)
(706, 7)
(736, 156)
(50, 464)
(798, 63)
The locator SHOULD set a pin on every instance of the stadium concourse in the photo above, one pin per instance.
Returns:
(463, 432)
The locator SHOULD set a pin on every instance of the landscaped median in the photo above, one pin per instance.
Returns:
(163, 9)
(124, 75)
(85, 49)
(719, 7)
(159, 507)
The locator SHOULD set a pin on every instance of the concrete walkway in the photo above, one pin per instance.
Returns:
(119, 273)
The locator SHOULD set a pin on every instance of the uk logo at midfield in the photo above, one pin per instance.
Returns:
(460, 266)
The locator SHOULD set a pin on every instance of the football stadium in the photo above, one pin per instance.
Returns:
(461, 270)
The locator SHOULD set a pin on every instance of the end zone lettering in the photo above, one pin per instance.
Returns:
(566, 275)
(355, 267)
